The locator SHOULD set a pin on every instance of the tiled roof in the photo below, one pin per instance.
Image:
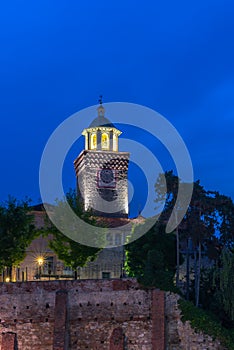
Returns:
(117, 222)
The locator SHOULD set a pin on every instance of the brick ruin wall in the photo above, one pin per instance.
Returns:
(181, 336)
(89, 314)
(93, 314)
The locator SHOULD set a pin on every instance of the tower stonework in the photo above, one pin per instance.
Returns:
(102, 171)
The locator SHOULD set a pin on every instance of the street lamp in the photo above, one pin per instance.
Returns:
(40, 261)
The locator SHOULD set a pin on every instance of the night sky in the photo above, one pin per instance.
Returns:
(57, 57)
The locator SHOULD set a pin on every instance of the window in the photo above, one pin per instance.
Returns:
(49, 265)
(105, 275)
(105, 141)
(93, 141)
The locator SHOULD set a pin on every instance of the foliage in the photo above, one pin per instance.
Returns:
(201, 321)
(152, 258)
(226, 278)
(217, 292)
(72, 253)
(225, 211)
(207, 226)
(206, 230)
(16, 231)
(166, 188)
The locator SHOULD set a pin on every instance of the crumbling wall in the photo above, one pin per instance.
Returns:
(181, 336)
(88, 314)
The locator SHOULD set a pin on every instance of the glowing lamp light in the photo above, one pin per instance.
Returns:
(7, 279)
(40, 260)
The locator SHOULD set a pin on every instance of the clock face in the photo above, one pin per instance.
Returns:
(106, 175)
(106, 178)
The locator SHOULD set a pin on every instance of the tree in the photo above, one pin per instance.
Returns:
(207, 230)
(200, 227)
(225, 212)
(210, 222)
(167, 192)
(209, 215)
(224, 282)
(166, 189)
(217, 292)
(72, 253)
(152, 257)
(16, 232)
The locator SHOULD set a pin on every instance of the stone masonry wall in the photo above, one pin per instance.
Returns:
(85, 314)
(181, 336)
(100, 200)
(112, 314)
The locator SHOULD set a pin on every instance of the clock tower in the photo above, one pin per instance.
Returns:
(101, 170)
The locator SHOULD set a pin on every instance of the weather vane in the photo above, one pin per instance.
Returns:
(100, 99)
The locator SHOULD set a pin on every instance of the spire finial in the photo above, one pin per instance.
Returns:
(101, 109)
(100, 100)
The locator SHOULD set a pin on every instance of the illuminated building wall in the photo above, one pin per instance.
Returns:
(102, 171)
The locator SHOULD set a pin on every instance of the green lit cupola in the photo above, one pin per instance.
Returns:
(101, 135)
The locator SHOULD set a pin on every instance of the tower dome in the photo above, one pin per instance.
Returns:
(101, 135)
(101, 120)
(101, 170)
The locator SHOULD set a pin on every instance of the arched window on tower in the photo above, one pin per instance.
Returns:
(93, 144)
(105, 141)
(115, 142)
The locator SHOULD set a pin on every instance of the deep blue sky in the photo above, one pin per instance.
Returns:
(176, 57)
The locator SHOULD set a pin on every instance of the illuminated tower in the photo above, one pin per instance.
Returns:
(102, 170)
